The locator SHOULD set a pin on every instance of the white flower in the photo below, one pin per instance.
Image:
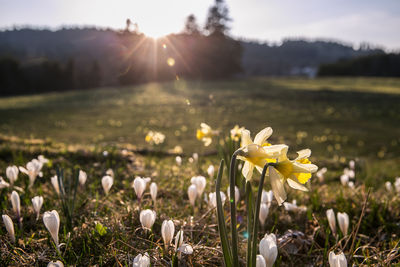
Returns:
(107, 182)
(330, 214)
(12, 173)
(147, 218)
(344, 179)
(195, 156)
(54, 182)
(141, 260)
(236, 133)
(55, 264)
(264, 210)
(338, 260)
(352, 164)
(82, 177)
(51, 220)
(351, 184)
(213, 199)
(16, 204)
(397, 184)
(3, 184)
(33, 169)
(153, 191)
(192, 194)
(200, 182)
(237, 194)
(42, 159)
(210, 171)
(185, 249)
(293, 206)
(268, 249)
(260, 261)
(321, 174)
(139, 185)
(178, 239)
(343, 221)
(9, 226)
(267, 197)
(154, 138)
(37, 203)
(388, 186)
(178, 160)
(167, 231)
(110, 172)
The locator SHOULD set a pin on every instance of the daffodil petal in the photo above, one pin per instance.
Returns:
(262, 136)
(304, 168)
(295, 185)
(304, 153)
(246, 140)
(302, 177)
(277, 185)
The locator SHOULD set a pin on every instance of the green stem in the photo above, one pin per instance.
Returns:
(256, 215)
(249, 208)
(232, 180)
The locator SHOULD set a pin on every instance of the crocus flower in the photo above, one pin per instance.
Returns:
(195, 156)
(167, 232)
(42, 159)
(107, 182)
(55, 264)
(54, 182)
(236, 133)
(267, 197)
(264, 210)
(192, 194)
(178, 160)
(16, 204)
(147, 218)
(344, 179)
(37, 203)
(338, 260)
(293, 206)
(3, 184)
(139, 185)
(33, 169)
(51, 220)
(330, 214)
(397, 184)
(388, 186)
(200, 182)
(153, 191)
(213, 199)
(205, 134)
(268, 249)
(178, 239)
(82, 177)
(12, 174)
(9, 226)
(237, 194)
(110, 172)
(210, 171)
(142, 260)
(343, 221)
(352, 164)
(321, 174)
(260, 261)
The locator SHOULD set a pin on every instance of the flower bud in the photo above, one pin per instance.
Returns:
(260, 261)
(192, 193)
(37, 203)
(9, 226)
(343, 221)
(3, 184)
(12, 173)
(107, 182)
(153, 191)
(178, 239)
(210, 171)
(142, 260)
(200, 182)
(147, 218)
(51, 220)
(237, 194)
(139, 185)
(338, 260)
(330, 214)
(15, 202)
(268, 249)
(55, 264)
(82, 177)
(167, 231)
(264, 210)
(54, 182)
(213, 199)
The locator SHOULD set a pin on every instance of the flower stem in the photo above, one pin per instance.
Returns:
(232, 180)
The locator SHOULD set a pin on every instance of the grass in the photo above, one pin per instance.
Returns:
(339, 119)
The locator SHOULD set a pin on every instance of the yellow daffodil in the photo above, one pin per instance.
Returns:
(205, 134)
(295, 172)
(236, 133)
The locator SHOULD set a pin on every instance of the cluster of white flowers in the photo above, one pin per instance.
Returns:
(155, 138)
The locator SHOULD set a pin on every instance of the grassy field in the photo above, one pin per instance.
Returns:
(338, 119)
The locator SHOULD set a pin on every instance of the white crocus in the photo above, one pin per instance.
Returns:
(267, 197)
(185, 249)
(54, 182)
(107, 182)
(330, 214)
(141, 260)
(167, 232)
(192, 194)
(237, 194)
(37, 203)
(178, 160)
(82, 177)
(110, 172)
(33, 169)
(268, 249)
(343, 221)
(338, 260)
(211, 171)
(264, 210)
(397, 184)
(352, 164)
(260, 261)
(293, 206)
(153, 191)
(178, 239)
(321, 174)
(42, 159)
(9, 226)
(195, 156)
(213, 199)
(3, 184)
(16, 204)
(344, 179)
(388, 186)
(200, 182)
(12, 174)
(51, 220)
(55, 264)
(147, 218)
(139, 185)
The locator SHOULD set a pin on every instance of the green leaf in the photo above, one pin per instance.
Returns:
(101, 229)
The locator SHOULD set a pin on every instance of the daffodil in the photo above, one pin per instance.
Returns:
(236, 133)
(205, 134)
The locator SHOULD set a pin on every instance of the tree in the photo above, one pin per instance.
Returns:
(218, 19)
(191, 26)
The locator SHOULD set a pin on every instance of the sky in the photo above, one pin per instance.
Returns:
(350, 21)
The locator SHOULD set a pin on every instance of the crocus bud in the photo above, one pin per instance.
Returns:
(110, 172)
(343, 221)
(388, 186)
(147, 218)
(139, 185)
(267, 197)
(142, 260)
(213, 199)
(51, 220)
(338, 260)
(15, 202)
(107, 182)
(82, 177)
(237, 194)
(260, 261)
(167, 232)
(321, 174)
(54, 182)
(195, 156)
(9, 226)
(153, 191)
(178, 239)
(200, 182)
(211, 170)
(185, 249)
(3, 184)
(55, 264)
(352, 164)
(268, 249)
(397, 184)
(37, 203)
(344, 179)
(330, 214)
(12, 174)
(264, 210)
(178, 160)
(192, 193)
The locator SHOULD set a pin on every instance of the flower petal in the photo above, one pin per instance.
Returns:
(262, 136)
(247, 170)
(295, 185)
(277, 185)
(246, 140)
(303, 154)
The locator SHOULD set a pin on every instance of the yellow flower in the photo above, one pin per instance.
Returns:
(205, 134)
(236, 133)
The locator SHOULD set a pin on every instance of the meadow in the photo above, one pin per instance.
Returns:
(339, 119)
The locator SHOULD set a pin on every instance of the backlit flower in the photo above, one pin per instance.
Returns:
(12, 174)
(236, 133)
(82, 177)
(9, 227)
(268, 249)
(51, 220)
(37, 203)
(154, 138)
(33, 169)
(205, 134)
(107, 182)
(147, 218)
(338, 260)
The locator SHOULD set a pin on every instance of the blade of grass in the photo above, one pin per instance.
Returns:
(249, 207)
(232, 182)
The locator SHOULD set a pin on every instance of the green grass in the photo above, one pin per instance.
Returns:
(339, 119)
